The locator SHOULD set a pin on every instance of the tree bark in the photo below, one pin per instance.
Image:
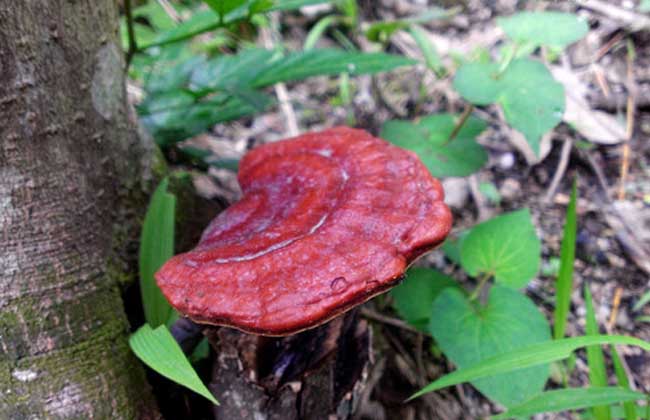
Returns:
(73, 182)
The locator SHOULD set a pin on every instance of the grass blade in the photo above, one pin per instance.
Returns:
(156, 247)
(571, 399)
(621, 376)
(642, 302)
(564, 282)
(529, 356)
(431, 56)
(158, 350)
(595, 357)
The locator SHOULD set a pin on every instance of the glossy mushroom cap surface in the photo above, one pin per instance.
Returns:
(327, 220)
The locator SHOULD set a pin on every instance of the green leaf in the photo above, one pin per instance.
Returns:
(629, 408)
(415, 295)
(479, 82)
(383, 30)
(285, 5)
(429, 138)
(490, 192)
(506, 247)
(158, 350)
(317, 31)
(533, 27)
(564, 283)
(469, 335)
(537, 354)
(156, 247)
(595, 357)
(571, 399)
(429, 52)
(532, 101)
(223, 7)
(321, 62)
(643, 300)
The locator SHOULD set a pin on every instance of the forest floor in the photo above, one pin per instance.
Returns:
(613, 250)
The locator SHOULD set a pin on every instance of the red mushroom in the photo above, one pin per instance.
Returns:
(327, 221)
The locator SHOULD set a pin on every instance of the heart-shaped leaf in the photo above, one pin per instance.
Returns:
(533, 27)
(506, 247)
(413, 298)
(532, 101)
(467, 335)
(430, 139)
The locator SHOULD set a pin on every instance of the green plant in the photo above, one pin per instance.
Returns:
(502, 344)
(153, 343)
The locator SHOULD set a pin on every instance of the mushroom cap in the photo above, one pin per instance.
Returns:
(327, 220)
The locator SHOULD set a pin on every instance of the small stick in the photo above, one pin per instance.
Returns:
(560, 170)
(615, 305)
(460, 123)
(629, 128)
(375, 316)
(280, 88)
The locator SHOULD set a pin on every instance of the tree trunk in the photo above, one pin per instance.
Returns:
(71, 201)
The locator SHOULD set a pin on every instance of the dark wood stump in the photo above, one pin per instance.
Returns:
(316, 374)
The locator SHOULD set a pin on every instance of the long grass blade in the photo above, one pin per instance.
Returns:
(564, 282)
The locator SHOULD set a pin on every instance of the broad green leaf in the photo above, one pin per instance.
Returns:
(537, 354)
(156, 247)
(415, 295)
(505, 247)
(478, 82)
(208, 92)
(158, 350)
(535, 28)
(429, 138)
(451, 246)
(629, 408)
(595, 357)
(172, 122)
(571, 399)
(532, 101)
(564, 283)
(468, 335)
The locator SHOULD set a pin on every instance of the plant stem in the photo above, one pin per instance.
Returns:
(460, 123)
(504, 66)
(133, 46)
(481, 282)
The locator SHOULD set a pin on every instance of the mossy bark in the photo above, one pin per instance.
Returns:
(73, 187)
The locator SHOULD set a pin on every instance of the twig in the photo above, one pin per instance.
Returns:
(133, 45)
(615, 305)
(608, 46)
(634, 21)
(268, 35)
(629, 128)
(560, 170)
(376, 316)
(478, 198)
(169, 9)
(460, 123)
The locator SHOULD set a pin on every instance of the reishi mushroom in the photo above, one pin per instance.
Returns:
(327, 220)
